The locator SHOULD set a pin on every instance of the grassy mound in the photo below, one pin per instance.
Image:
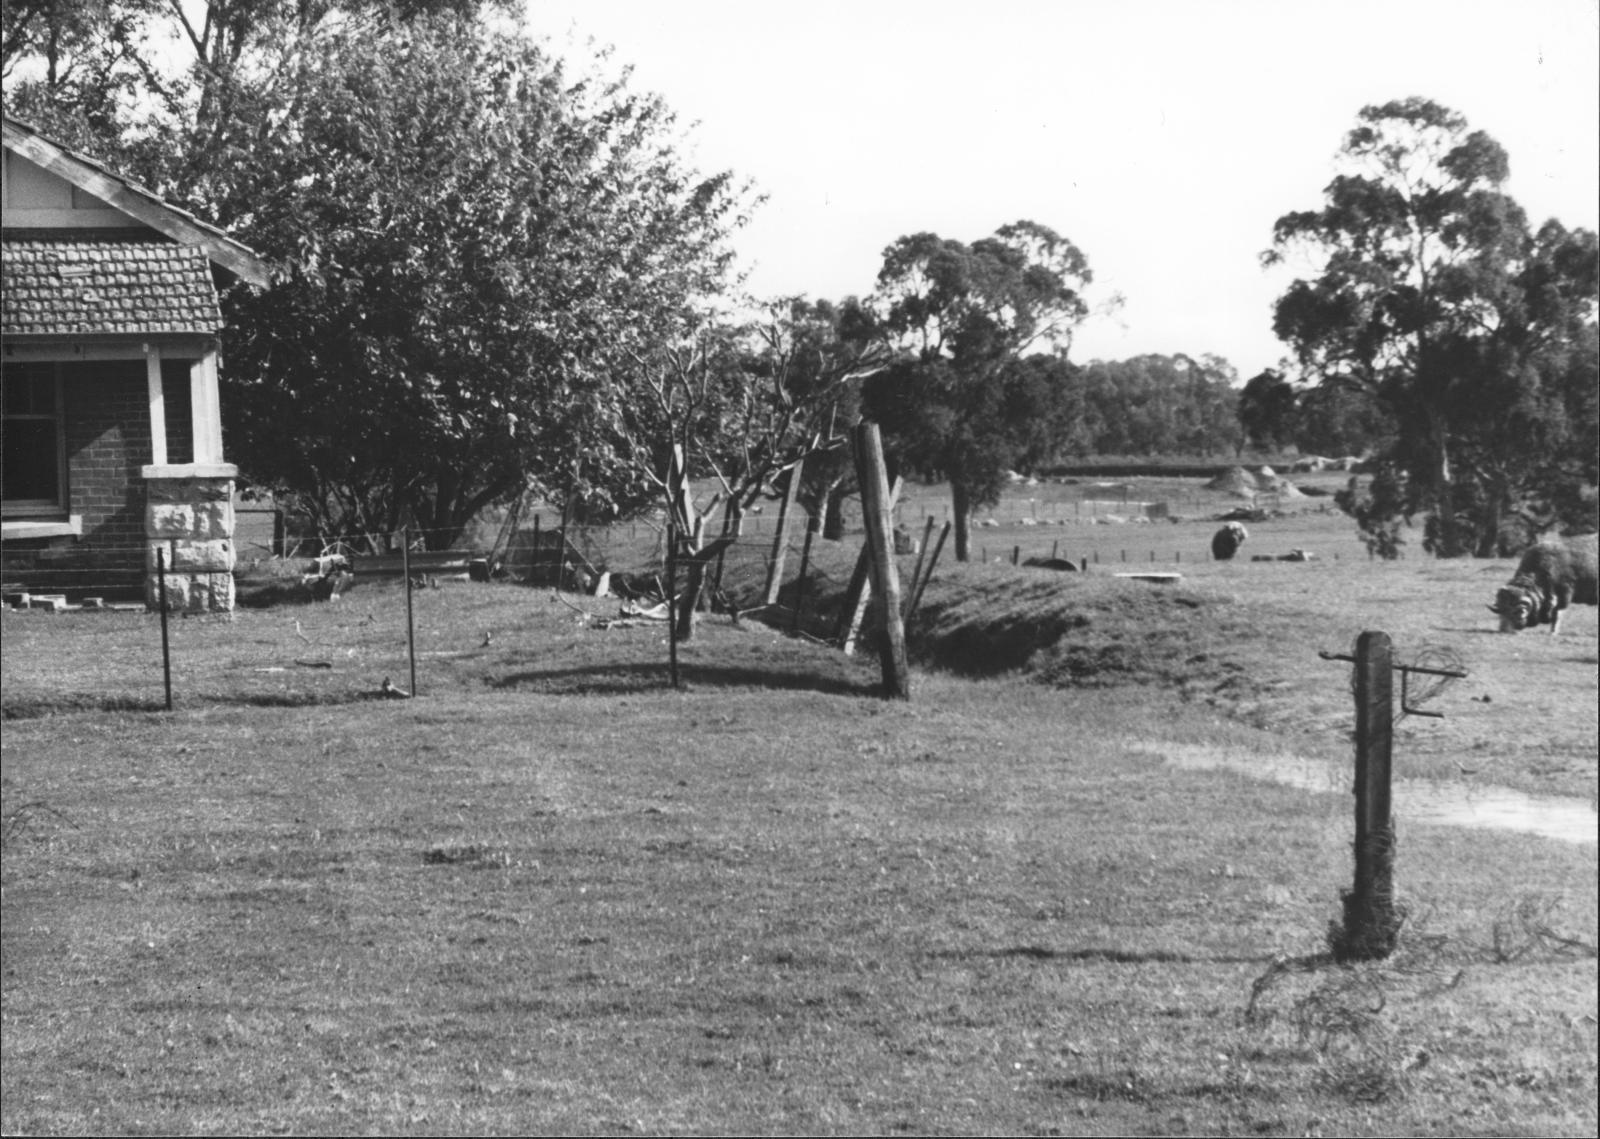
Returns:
(1080, 630)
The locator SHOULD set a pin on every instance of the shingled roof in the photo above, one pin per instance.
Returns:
(138, 202)
(86, 286)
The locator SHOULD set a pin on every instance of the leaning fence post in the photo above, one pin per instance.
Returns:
(922, 555)
(877, 506)
(805, 564)
(1370, 925)
(161, 596)
(780, 539)
(859, 595)
(917, 586)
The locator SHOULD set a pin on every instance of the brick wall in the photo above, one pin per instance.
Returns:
(107, 413)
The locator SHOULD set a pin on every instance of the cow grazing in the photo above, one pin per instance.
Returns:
(1552, 574)
(1226, 541)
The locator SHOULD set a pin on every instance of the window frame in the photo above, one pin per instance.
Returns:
(43, 508)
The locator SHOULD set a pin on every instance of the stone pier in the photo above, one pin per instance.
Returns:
(189, 516)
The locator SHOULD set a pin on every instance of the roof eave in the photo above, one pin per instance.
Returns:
(233, 256)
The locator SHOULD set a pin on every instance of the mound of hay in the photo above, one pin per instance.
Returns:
(1268, 482)
(1235, 481)
(1246, 484)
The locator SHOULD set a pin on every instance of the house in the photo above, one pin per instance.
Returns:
(112, 447)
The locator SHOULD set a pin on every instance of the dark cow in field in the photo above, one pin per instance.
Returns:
(1226, 541)
(1552, 574)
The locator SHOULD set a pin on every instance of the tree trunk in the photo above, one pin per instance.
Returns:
(1488, 545)
(833, 510)
(689, 598)
(1444, 495)
(961, 504)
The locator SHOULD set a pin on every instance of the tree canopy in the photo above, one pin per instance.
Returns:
(468, 233)
(1432, 296)
(960, 402)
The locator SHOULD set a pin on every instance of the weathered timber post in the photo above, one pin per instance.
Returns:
(1016, 554)
(859, 595)
(922, 555)
(919, 584)
(877, 504)
(805, 563)
(780, 540)
(1370, 924)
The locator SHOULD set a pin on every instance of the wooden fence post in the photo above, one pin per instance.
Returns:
(780, 540)
(1370, 923)
(859, 594)
(805, 563)
(877, 504)
(918, 584)
(922, 555)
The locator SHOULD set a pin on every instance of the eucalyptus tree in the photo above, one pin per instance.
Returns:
(956, 404)
(1431, 294)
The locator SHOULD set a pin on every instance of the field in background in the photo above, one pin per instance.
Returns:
(552, 894)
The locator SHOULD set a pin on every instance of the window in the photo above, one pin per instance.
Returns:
(34, 451)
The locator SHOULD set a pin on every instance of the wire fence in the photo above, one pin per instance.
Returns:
(315, 653)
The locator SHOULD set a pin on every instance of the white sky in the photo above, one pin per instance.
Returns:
(1163, 137)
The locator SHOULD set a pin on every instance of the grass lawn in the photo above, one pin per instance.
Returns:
(551, 894)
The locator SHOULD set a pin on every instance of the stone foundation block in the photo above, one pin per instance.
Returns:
(213, 520)
(220, 588)
(169, 520)
(178, 592)
(209, 557)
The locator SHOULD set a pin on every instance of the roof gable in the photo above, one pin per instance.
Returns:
(134, 200)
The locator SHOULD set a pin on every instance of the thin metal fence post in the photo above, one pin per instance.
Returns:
(411, 636)
(166, 650)
(672, 601)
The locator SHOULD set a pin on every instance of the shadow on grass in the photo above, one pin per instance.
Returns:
(612, 680)
(70, 704)
(1102, 956)
(36, 708)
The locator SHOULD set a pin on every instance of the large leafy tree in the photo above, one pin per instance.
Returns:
(465, 229)
(959, 404)
(1431, 295)
(472, 236)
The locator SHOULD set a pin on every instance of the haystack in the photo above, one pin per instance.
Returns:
(1235, 481)
(1246, 484)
